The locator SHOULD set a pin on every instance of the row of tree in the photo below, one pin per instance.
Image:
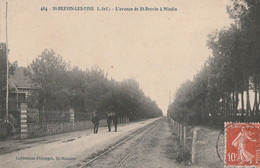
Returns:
(59, 87)
(220, 91)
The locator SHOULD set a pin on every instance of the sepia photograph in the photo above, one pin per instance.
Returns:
(130, 84)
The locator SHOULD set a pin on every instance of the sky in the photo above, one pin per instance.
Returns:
(160, 49)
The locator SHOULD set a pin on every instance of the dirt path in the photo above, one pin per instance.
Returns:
(73, 149)
(206, 148)
(158, 150)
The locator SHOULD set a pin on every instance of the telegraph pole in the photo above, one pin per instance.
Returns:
(7, 74)
(7, 69)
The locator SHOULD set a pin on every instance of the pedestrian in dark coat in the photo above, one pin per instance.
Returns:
(95, 121)
(115, 121)
(109, 120)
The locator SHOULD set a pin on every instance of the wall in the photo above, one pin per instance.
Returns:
(43, 129)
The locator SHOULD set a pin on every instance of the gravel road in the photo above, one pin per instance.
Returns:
(157, 150)
(61, 151)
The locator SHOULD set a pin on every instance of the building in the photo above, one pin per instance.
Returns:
(20, 86)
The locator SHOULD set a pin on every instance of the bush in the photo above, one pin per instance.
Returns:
(33, 116)
(183, 156)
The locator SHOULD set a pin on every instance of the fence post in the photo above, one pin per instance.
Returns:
(72, 112)
(24, 128)
(180, 133)
(184, 135)
(72, 117)
(193, 152)
(178, 129)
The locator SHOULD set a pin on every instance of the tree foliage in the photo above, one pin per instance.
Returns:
(228, 75)
(59, 87)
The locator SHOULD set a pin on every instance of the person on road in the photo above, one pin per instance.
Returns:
(95, 120)
(109, 120)
(115, 121)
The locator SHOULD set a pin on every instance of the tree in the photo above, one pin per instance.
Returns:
(49, 74)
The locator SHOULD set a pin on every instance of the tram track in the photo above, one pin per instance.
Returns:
(127, 156)
(146, 130)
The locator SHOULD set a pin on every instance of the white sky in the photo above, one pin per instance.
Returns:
(159, 49)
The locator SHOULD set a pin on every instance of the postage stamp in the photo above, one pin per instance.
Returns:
(242, 145)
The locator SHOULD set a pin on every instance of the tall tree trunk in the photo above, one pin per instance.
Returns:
(237, 102)
(246, 84)
(248, 107)
(228, 104)
(258, 104)
(223, 106)
(255, 102)
(233, 104)
(242, 103)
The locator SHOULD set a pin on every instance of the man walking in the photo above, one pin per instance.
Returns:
(95, 121)
(109, 120)
(115, 121)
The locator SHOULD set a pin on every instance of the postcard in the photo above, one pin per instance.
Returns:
(133, 83)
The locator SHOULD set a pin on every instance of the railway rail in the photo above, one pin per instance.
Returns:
(148, 128)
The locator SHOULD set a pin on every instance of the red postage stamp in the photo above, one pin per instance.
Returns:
(242, 145)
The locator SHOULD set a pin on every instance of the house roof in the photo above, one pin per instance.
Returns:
(20, 80)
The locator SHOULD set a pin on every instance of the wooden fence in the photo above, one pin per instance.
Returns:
(187, 137)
